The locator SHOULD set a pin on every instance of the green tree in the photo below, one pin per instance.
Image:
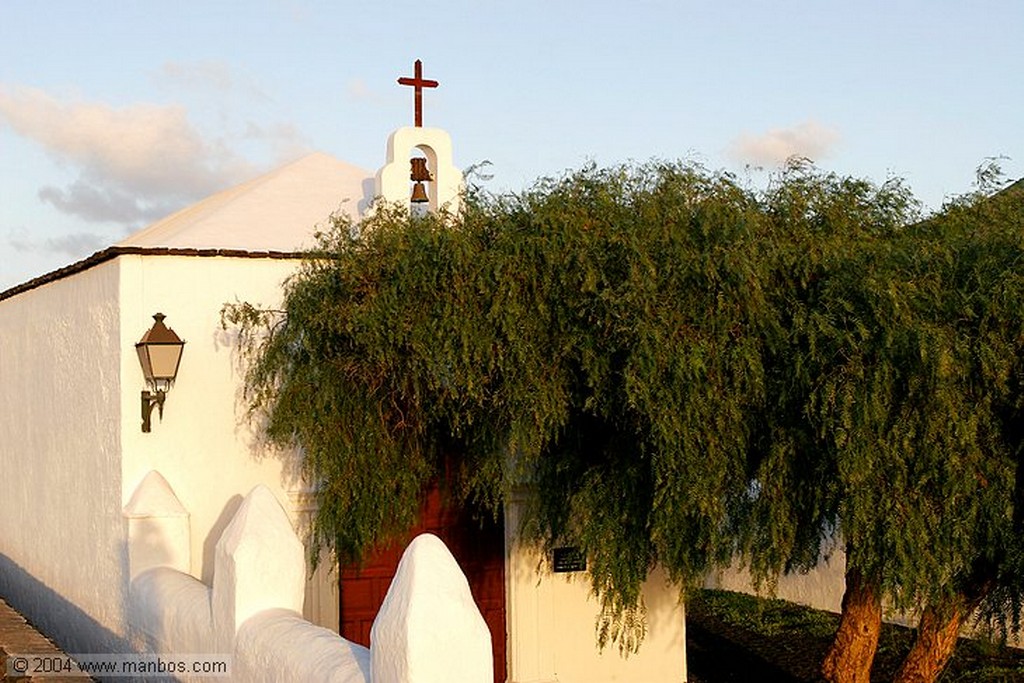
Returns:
(889, 414)
(976, 248)
(594, 341)
(676, 371)
(829, 235)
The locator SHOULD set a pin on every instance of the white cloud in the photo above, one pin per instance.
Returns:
(284, 140)
(809, 139)
(358, 91)
(103, 204)
(75, 245)
(132, 160)
(209, 75)
(19, 242)
(145, 148)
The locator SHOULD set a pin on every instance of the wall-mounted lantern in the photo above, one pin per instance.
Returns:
(159, 354)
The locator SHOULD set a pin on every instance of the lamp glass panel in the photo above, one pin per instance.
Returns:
(147, 368)
(164, 359)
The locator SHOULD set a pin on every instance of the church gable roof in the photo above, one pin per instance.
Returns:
(278, 211)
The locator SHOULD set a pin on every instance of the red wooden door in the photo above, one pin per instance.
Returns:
(479, 550)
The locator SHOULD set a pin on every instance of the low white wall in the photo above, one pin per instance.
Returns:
(279, 645)
(429, 630)
(820, 588)
(252, 612)
(171, 612)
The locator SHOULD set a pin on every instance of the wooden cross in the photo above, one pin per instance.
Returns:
(418, 83)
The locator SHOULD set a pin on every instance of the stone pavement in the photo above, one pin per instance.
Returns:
(17, 636)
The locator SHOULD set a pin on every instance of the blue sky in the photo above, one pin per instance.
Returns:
(113, 113)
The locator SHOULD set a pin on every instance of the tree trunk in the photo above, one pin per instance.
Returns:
(853, 649)
(939, 628)
(936, 639)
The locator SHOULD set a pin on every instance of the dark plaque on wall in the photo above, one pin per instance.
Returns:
(569, 559)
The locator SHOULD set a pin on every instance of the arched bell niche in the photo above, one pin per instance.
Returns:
(394, 183)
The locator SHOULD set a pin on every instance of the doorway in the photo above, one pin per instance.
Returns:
(477, 545)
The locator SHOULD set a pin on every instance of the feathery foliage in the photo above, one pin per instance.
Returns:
(894, 413)
(668, 369)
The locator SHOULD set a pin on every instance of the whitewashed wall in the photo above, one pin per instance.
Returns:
(204, 446)
(551, 620)
(63, 559)
(73, 451)
(820, 588)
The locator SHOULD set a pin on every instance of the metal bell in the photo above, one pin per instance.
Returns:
(419, 170)
(419, 194)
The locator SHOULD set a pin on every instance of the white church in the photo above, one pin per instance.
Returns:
(117, 536)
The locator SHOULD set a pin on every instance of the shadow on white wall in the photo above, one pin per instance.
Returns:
(427, 625)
